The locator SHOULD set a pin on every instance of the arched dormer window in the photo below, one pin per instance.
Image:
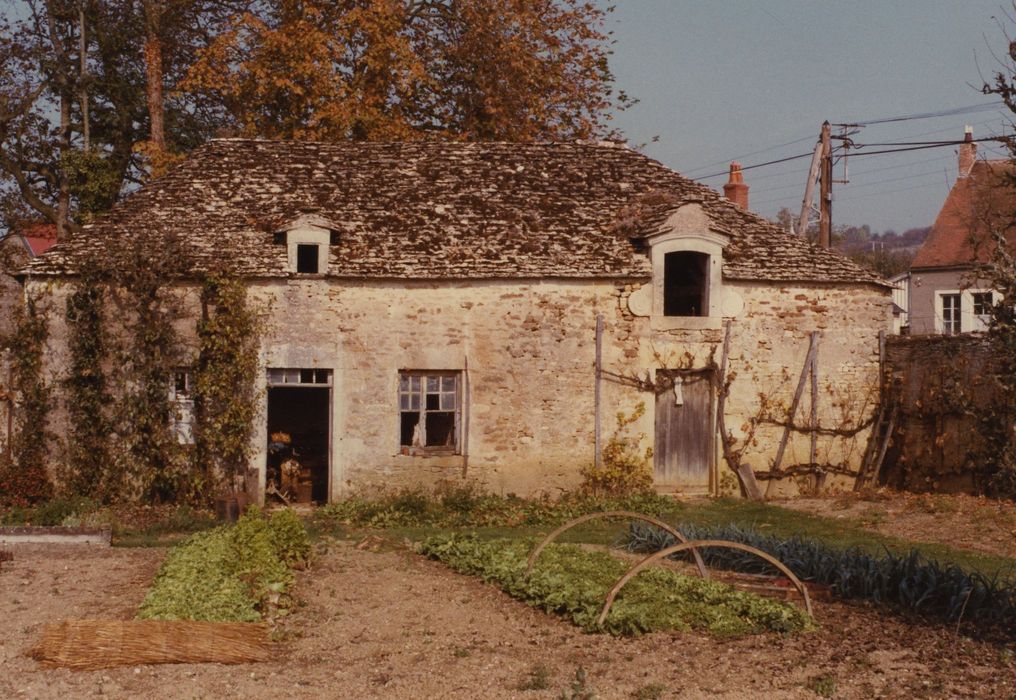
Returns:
(685, 283)
(687, 259)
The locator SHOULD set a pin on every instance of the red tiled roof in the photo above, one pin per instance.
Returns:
(975, 204)
(39, 237)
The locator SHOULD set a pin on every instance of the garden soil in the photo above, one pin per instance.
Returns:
(378, 621)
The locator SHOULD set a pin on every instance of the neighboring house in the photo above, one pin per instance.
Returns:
(15, 250)
(433, 308)
(946, 297)
(901, 302)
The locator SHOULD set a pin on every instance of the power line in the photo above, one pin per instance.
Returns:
(759, 165)
(916, 148)
(929, 115)
(746, 155)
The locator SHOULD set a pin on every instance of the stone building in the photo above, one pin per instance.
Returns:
(432, 310)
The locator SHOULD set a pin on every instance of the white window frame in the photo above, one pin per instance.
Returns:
(969, 322)
(182, 399)
(414, 386)
(688, 230)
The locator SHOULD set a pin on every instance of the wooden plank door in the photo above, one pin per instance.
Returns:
(684, 431)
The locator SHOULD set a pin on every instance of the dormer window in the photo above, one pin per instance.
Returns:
(685, 283)
(307, 256)
(687, 259)
(308, 238)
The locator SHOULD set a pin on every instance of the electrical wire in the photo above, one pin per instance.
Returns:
(746, 155)
(929, 115)
(759, 165)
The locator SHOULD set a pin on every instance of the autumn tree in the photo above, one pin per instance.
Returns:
(79, 83)
(397, 69)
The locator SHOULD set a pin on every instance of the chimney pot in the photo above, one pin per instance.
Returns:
(967, 152)
(736, 190)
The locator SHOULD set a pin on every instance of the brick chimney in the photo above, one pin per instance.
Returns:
(967, 152)
(735, 190)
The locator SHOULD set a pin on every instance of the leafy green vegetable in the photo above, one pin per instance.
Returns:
(573, 582)
(229, 574)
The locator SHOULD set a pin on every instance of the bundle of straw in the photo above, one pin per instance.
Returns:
(90, 644)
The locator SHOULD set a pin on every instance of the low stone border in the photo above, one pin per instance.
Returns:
(101, 536)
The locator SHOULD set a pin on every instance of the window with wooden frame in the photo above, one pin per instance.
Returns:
(430, 411)
(951, 314)
(182, 400)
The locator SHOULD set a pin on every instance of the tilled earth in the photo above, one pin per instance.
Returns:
(390, 624)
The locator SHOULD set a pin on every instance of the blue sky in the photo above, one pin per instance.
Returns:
(722, 79)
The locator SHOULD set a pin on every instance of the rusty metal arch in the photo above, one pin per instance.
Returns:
(703, 571)
(663, 553)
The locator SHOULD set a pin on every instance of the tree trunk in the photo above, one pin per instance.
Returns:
(154, 74)
(63, 204)
(83, 78)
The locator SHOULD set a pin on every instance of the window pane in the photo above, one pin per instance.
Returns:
(306, 376)
(410, 419)
(448, 402)
(404, 402)
(433, 402)
(434, 384)
(685, 284)
(307, 258)
(415, 382)
(414, 402)
(441, 429)
(448, 383)
(403, 382)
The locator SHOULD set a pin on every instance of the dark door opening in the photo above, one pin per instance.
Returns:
(298, 440)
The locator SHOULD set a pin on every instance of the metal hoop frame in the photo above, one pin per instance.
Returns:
(703, 571)
(663, 553)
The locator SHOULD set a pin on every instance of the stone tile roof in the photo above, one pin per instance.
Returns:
(975, 204)
(438, 210)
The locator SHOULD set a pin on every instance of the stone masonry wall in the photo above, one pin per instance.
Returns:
(527, 348)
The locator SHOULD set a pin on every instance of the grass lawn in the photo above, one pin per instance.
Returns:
(762, 517)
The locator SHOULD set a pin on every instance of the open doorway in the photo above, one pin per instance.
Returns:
(299, 434)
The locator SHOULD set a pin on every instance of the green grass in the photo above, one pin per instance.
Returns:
(761, 517)
(839, 533)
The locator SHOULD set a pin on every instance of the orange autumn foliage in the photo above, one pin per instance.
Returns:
(404, 69)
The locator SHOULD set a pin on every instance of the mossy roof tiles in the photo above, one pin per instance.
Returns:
(438, 210)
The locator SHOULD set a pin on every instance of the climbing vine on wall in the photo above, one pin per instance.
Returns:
(88, 467)
(23, 472)
(148, 352)
(224, 382)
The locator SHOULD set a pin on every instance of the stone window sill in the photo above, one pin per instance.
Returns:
(687, 323)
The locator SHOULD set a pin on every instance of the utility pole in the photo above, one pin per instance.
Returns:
(825, 221)
(809, 190)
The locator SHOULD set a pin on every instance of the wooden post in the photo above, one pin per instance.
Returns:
(465, 416)
(744, 472)
(814, 399)
(805, 372)
(825, 220)
(809, 191)
(598, 457)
